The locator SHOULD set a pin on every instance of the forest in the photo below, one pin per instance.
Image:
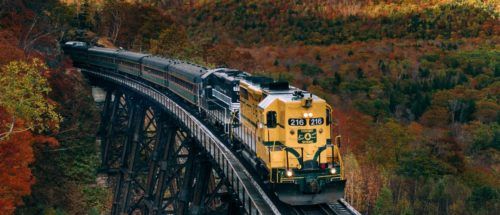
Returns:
(415, 87)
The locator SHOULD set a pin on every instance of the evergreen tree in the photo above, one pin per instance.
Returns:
(85, 17)
(384, 204)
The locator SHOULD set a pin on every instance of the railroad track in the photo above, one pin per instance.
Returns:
(340, 207)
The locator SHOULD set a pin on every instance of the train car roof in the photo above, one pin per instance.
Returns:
(133, 56)
(227, 74)
(102, 50)
(156, 61)
(76, 44)
(268, 86)
(289, 97)
(190, 71)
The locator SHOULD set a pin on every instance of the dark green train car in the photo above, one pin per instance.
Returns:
(78, 52)
(129, 62)
(102, 59)
(155, 69)
(184, 79)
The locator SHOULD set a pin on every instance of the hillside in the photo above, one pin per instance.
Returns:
(315, 23)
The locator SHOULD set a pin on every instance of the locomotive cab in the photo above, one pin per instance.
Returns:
(294, 142)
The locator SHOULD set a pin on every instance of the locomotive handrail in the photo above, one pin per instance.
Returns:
(251, 195)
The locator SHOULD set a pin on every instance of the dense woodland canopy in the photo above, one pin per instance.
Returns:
(415, 86)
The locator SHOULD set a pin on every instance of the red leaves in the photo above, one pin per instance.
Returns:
(16, 154)
(50, 141)
(354, 128)
(8, 49)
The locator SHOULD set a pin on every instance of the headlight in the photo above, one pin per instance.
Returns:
(333, 170)
(310, 114)
(289, 173)
(305, 115)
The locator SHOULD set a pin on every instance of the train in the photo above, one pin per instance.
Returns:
(283, 132)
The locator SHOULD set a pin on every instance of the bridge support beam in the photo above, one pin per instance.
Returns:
(205, 173)
(157, 172)
(128, 158)
(186, 191)
(159, 167)
(107, 109)
(114, 129)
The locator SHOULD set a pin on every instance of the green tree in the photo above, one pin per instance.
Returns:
(174, 42)
(85, 17)
(310, 69)
(484, 137)
(25, 96)
(419, 164)
(388, 143)
(384, 204)
(484, 199)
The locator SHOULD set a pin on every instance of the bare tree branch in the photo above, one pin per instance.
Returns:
(7, 134)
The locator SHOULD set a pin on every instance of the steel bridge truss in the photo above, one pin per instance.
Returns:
(163, 160)
(157, 167)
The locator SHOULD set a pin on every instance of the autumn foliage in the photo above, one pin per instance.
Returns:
(21, 119)
(27, 115)
(414, 86)
(16, 156)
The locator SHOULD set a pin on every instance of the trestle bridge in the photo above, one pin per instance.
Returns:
(162, 159)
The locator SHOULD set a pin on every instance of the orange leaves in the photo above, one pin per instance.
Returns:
(226, 54)
(50, 141)
(354, 128)
(16, 154)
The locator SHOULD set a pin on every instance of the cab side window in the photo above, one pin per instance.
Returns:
(244, 93)
(271, 119)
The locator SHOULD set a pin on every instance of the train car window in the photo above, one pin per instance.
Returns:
(328, 116)
(244, 93)
(154, 71)
(271, 119)
(106, 59)
(183, 83)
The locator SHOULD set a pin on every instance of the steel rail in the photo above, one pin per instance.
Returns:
(341, 207)
(250, 194)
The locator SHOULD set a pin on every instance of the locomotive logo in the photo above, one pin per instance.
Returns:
(306, 136)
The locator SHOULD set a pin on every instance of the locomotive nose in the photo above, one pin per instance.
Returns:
(312, 186)
(310, 165)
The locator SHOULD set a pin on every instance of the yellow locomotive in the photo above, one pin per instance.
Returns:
(285, 132)
(291, 141)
